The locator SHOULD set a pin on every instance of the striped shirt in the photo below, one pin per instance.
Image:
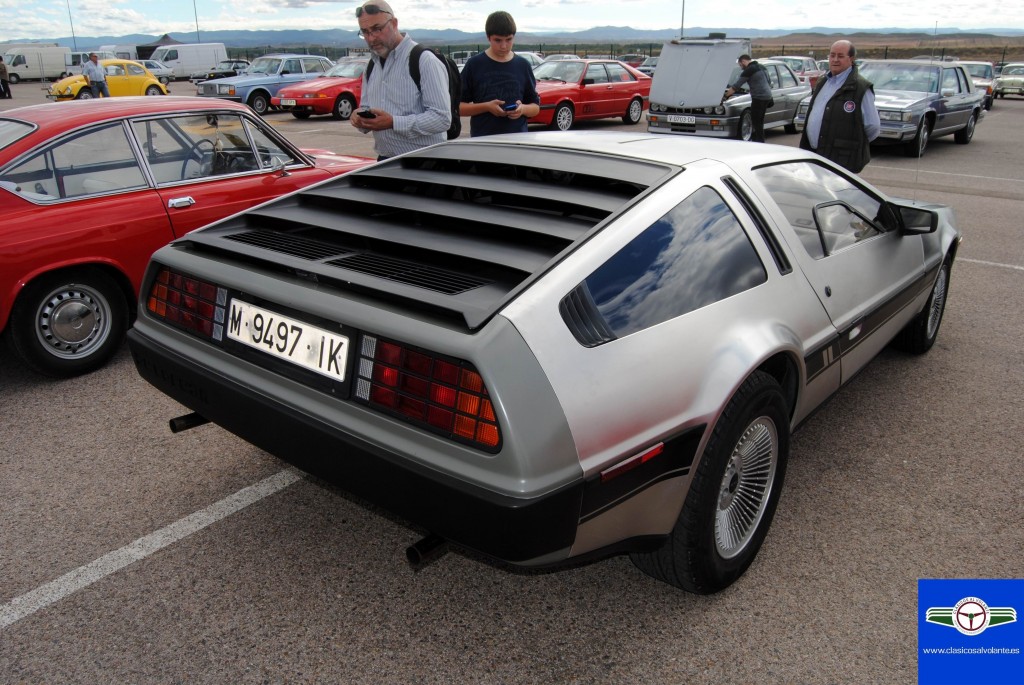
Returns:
(422, 116)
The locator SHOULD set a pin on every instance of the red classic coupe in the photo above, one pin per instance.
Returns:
(590, 89)
(89, 189)
(335, 93)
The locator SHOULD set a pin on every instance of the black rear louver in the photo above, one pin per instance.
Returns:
(447, 229)
(583, 319)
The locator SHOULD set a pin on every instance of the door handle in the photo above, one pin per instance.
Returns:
(180, 202)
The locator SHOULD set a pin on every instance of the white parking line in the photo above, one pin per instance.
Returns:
(982, 261)
(945, 173)
(83, 576)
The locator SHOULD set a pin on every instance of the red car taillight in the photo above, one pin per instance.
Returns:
(192, 304)
(446, 396)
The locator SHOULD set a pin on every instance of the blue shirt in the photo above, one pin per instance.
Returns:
(421, 115)
(872, 124)
(484, 79)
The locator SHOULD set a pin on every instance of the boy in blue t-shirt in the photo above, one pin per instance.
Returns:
(499, 91)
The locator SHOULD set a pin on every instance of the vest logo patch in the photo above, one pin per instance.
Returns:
(849, 106)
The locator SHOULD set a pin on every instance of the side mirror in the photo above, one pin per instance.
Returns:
(285, 72)
(947, 92)
(587, 82)
(916, 220)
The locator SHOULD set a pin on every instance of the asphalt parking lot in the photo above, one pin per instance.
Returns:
(131, 555)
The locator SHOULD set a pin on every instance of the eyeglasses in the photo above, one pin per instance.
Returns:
(371, 10)
(373, 30)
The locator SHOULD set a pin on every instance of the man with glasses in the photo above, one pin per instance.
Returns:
(842, 119)
(95, 76)
(401, 116)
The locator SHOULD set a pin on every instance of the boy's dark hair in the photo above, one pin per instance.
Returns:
(742, 57)
(500, 24)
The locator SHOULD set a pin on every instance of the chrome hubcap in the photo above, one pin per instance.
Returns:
(938, 303)
(746, 486)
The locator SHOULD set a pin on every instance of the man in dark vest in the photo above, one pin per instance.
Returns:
(842, 120)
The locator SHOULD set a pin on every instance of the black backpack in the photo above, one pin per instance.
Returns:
(454, 82)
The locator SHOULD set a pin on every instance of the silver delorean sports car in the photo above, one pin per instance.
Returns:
(553, 346)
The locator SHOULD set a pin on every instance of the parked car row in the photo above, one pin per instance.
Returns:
(918, 100)
(124, 78)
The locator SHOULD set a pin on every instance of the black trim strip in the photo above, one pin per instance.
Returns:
(675, 461)
(822, 357)
(774, 246)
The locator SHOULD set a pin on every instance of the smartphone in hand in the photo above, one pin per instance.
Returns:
(366, 114)
(511, 107)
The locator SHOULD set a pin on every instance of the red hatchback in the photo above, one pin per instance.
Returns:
(335, 93)
(90, 189)
(590, 89)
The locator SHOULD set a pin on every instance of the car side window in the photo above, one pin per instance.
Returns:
(292, 66)
(695, 255)
(773, 75)
(803, 192)
(98, 161)
(269, 152)
(597, 73)
(196, 147)
(619, 74)
(115, 70)
(136, 70)
(965, 81)
(313, 66)
(949, 80)
(787, 79)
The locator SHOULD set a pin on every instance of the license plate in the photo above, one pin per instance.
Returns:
(681, 119)
(319, 350)
(288, 102)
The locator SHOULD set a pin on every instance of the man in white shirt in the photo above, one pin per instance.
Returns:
(95, 76)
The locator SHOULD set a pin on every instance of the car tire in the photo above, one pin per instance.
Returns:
(790, 128)
(164, 80)
(634, 112)
(14, 78)
(733, 495)
(563, 118)
(745, 130)
(344, 106)
(84, 94)
(916, 147)
(964, 135)
(259, 102)
(918, 336)
(68, 323)
(301, 115)
(154, 90)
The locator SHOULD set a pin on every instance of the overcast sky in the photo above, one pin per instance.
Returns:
(40, 19)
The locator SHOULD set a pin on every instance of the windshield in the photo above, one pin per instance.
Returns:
(1016, 70)
(979, 70)
(909, 77)
(568, 71)
(264, 65)
(348, 69)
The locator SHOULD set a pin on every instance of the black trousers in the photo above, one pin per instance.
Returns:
(757, 110)
(5, 89)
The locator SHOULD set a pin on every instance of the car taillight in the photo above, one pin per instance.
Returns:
(443, 395)
(192, 304)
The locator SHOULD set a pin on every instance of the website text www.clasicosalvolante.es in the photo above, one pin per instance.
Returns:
(970, 650)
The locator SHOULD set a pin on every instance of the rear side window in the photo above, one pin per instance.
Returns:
(693, 256)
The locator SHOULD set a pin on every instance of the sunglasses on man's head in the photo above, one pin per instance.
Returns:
(370, 9)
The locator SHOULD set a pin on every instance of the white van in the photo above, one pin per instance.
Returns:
(41, 63)
(121, 51)
(187, 58)
(73, 61)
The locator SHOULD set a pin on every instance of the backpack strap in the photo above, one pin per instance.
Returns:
(414, 64)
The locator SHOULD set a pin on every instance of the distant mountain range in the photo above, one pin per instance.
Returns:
(615, 34)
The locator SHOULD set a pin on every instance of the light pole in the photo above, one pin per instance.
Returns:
(682, 21)
(73, 41)
(196, 13)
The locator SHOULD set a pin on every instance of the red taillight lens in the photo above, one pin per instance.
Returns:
(189, 303)
(446, 396)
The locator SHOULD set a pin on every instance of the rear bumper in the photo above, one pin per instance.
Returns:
(523, 531)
